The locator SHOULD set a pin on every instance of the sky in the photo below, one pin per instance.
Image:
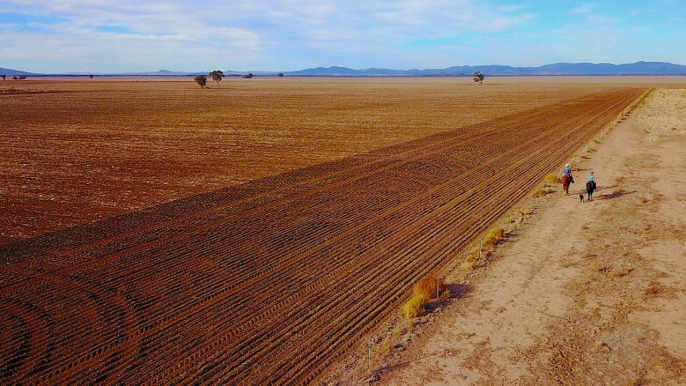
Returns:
(116, 36)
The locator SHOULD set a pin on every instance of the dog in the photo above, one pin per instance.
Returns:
(581, 198)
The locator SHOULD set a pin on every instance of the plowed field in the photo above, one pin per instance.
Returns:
(273, 280)
(75, 151)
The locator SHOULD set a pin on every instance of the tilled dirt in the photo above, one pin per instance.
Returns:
(587, 293)
(275, 280)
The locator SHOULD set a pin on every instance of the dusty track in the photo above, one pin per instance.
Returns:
(273, 280)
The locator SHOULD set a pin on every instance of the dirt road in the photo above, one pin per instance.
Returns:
(588, 293)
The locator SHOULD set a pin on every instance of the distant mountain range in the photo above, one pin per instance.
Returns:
(638, 68)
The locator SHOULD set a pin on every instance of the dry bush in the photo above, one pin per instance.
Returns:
(472, 260)
(542, 192)
(551, 178)
(428, 287)
(493, 237)
(415, 307)
(653, 289)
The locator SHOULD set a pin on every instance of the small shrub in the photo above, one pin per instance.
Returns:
(653, 289)
(493, 237)
(415, 307)
(540, 192)
(426, 287)
(551, 178)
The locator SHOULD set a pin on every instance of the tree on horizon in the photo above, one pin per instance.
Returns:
(217, 76)
(201, 80)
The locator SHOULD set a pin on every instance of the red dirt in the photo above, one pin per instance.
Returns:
(272, 281)
(77, 151)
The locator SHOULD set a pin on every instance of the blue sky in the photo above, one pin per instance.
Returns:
(54, 36)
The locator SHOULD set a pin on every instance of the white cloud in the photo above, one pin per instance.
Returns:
(244, 30)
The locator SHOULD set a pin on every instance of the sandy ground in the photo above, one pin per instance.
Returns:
(588, 293)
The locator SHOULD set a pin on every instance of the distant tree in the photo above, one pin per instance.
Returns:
(90, 76)
(201, 80)
(217, 76)
(479, 77)
(22, 77)
(4, 77)
(15, 78)
(280, 75)
(248, 75)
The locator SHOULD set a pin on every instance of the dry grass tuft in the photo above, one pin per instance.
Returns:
(472, 260)
(551, 178)
(601, 347)
(653, 289)
(621, 272)
(470, 264)
(493, 237)
(415, 307)
(540, 192)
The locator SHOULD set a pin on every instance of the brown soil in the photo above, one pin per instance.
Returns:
(272, 281)
(75, 151)
(587, 293)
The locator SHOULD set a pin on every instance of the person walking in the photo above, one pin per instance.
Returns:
(590, 186)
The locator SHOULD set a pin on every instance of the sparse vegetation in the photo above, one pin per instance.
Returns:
(415, 307)
(551, 179)
(653, 289)
(542, 191)
(493, 237)
(248, 75)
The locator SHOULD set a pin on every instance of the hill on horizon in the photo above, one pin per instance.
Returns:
(638, 68)
(11, 72)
